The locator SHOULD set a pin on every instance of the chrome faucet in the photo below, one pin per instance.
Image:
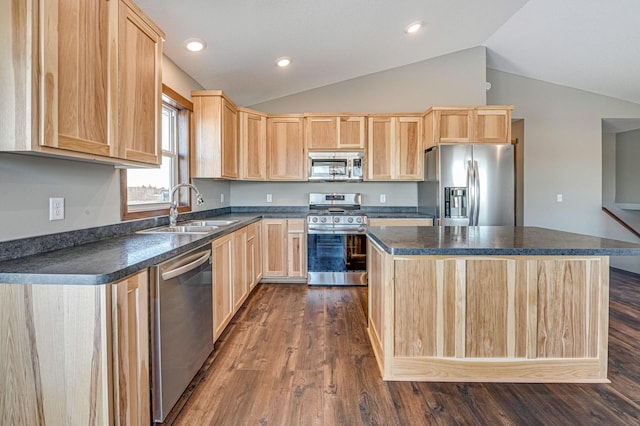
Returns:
(173, 210)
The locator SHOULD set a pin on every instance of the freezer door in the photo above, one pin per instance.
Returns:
(454, 172)
(495, 179)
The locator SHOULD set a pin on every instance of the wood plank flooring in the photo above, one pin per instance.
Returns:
(298, 355)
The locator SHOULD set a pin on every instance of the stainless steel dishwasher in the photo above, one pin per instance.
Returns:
(182, 324)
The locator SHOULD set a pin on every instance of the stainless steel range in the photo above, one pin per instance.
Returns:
(336, 241)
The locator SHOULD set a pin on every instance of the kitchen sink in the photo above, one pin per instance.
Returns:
(211, 222)
(181, 229)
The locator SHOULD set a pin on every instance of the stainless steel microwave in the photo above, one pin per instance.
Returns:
(336, 166)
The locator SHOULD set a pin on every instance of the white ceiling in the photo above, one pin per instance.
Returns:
(592, 45)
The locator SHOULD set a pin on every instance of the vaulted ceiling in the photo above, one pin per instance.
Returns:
(592, 45)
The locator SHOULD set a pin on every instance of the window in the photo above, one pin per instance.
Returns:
(145, 192)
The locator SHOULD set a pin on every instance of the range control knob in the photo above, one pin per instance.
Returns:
(323, 219)
(359, 219)
(314, 220)
(350, 220)
(336, 219)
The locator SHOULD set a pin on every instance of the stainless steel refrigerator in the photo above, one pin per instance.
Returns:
(469, 185)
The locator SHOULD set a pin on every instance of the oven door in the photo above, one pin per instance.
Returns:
(337, 259)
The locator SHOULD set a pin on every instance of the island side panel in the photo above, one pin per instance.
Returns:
(511, 318)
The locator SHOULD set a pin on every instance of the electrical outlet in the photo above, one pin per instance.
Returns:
(222, 198)
(56, 208)
(383, 198)
(558, 198)
(269, 198)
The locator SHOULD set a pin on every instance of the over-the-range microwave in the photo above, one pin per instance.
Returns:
(336, 166)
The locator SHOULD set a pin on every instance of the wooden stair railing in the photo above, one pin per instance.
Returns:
(624, 224)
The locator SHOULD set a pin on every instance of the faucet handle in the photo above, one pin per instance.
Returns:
(199, 199)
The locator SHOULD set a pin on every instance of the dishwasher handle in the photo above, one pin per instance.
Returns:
(186, 268)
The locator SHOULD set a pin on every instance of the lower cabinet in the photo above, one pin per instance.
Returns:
(284, 249)
(130, 334)
(77, 354)
(222, 274)
(237, 268)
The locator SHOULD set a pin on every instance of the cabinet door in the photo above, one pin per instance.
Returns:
(257, 256)
(253, 143)
(321, 133)
(285, 148)
(222, 249)
(78, 88)
(408, 148)
(352, 133)
(296, 248)
(240, 271)
(453, 125)
(493, 125)
(381, 156)
(274, 247)
(130, 328)
(140, 83)
(229, 141)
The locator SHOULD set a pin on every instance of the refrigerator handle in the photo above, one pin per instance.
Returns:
(476, 181)
(471, 196)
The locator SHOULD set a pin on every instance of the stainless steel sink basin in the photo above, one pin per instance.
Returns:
(181, 229)
(211, 222)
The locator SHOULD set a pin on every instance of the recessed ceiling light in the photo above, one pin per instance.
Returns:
(283, 62)
(195, 44)
(413, 27)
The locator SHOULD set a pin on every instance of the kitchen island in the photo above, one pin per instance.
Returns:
(490, 304)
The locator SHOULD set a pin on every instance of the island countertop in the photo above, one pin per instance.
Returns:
(494, 240)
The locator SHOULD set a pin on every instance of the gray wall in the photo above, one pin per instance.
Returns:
(628, 167)
(296, 193)
(454, 79)
(563, 153)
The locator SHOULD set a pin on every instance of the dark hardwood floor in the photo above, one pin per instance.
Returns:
(295, 355)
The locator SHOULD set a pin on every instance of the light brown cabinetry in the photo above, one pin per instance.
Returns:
(240, 272)
(335, 132)
(216, 150)
(130, 324)
(481, 124)
(222, 267)
(254, 253)
(286, 154)
(98, 72)
(284, 249)
(395, 148)
(253, 144)
(140, 85)
(78, 354)
(489, 318)
(237, 268)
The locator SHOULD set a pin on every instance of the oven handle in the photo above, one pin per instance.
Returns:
(336, 232)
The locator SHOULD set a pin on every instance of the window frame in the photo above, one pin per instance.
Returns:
(184, 108)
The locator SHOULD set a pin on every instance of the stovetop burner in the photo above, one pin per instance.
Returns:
(335, 213)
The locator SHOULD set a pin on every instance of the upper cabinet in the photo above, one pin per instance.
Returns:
(395, 148)
(253, 144)
(84, 81)
(140, 84)
(476, 124)
(216, 150)
(333, 132)
(286, 154)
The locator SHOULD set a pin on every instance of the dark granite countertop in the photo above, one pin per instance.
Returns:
(108, 260)
(494, 240)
